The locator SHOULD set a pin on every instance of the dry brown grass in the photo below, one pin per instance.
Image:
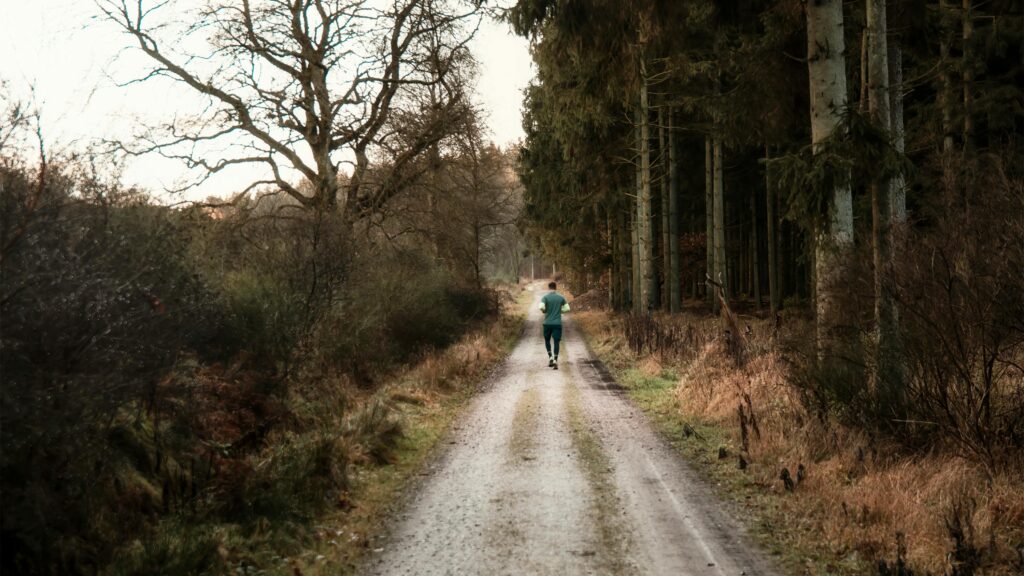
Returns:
(859, 491)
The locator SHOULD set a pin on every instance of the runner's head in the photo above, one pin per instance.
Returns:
(551, 285)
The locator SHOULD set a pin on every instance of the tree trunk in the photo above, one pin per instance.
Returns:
(638, 272)
(946, 94)
(899, 185)
(666, 253)
(434, 163)
(888, 369)
(863, 102)
(675, 281)
(755, 265)
(785, 256)
(773, 267)
(709, 213)
(649, 294)
(476, 256)
(624, 260)
(613, 269)
(721, 270)
(826, 66)
(968, 75)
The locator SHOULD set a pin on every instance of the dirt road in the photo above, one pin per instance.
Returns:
(555, 472)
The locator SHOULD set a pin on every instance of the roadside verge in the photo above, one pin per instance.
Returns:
(823, 497)
(426, 400)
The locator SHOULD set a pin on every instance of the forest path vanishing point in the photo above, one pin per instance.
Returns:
(555, 472)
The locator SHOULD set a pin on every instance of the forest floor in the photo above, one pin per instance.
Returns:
(853, 501)
(557, 472)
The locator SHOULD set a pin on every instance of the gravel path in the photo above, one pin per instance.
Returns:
(555, 472)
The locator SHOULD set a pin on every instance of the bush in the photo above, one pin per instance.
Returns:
(172, 373)
(291, 480)
(397, 305)
(277, 278)
(261, 316)
(97, 302)
(179, 550)
(962, 297)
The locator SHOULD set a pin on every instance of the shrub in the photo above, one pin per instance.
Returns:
(261, 316)
(291, 480)
(962, 297)
(172, 373)
(178, 550)
(97, 302)
(397, 304)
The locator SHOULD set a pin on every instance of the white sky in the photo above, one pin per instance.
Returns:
(72, 60)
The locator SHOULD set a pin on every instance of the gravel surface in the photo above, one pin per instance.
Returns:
(556, 472)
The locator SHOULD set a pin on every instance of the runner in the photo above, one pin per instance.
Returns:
(552, 305)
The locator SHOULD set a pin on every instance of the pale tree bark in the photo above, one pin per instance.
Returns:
(709, 214)
(785, 255)
(675, 280)
(625, 262)
(721, 270)
(888, 361)
(826, 66)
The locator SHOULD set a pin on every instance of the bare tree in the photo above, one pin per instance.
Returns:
(464, 202)
(15, 117)
(304, 88)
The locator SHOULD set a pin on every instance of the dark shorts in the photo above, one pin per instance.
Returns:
(552, 331)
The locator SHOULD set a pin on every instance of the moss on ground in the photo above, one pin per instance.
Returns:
(605, 500)
(524, 423)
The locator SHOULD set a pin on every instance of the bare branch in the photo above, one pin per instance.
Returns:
(306, 86)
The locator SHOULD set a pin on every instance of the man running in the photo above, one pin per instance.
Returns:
(552, 305)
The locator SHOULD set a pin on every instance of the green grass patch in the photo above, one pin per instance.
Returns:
(524, 422)
(597, 469)
(345, 537)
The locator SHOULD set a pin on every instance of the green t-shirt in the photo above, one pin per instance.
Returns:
(552, 305)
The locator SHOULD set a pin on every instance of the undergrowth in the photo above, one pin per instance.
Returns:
(827, 497)
(315, 498)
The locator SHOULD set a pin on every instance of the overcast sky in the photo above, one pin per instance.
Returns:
(72, 61)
